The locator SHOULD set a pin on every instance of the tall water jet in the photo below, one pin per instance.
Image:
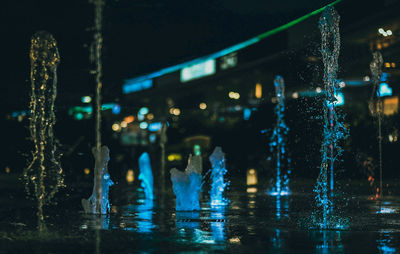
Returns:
(146, 175)
(334, 129)
(44, 173)
(98, 151)
(218, 185)
(376, 71)
(278, 142)
(92, 205)
(187, 186)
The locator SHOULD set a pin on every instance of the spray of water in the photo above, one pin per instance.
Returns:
(376, 71)
(218, 185)
(44, 173)
(334, 129)
(278, 142)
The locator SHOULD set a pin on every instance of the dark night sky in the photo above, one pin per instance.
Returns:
(140, 36)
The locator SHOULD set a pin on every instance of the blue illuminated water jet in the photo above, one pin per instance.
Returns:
(146, 175)
(218, 185)
(278, 143)
(90, 205)
(187, 185)
(334, 129)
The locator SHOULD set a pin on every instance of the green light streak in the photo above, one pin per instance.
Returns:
(294, 22)
(228, 50)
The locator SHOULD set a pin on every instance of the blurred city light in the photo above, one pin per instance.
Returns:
(156, 126)
(124, 124)
(116, 109)
(252, 190)
(143, 111)
(234, 95)
(129, 119)
(143, 125)
(150, 116)
(130, 176)
(318, 89)
(175, 111)
(295, 95)
(197, 150)
(251, 177)
(152, 138)
(78, 116)
(384, 90)
(203, 106)
(86, 171)
(258, 92)
(246, 114)
(116, 127)
(86, 99)
(8, 170)
(174, 157)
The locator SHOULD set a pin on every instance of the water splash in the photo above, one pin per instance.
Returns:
(278, 142)
(376, 71)
(146, 175)
(334, 129)
(187, 185)
(44, 173)
(218, 185)
(91, 205)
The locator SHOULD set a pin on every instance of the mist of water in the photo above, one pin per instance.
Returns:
(218, 185)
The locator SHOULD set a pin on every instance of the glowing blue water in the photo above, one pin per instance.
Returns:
(146, 175)
(90, 205)
(218, 185)
(187, 185)
(278, 143)
(334, 129)
(218, 224)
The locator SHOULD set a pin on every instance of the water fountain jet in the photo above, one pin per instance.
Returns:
(218, 185)
(278, 143)
(334, 129)
(44, 172)
(187, 185)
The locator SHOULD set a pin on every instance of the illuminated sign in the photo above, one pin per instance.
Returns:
(228, 61)
(132, 86)
(199, 70)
